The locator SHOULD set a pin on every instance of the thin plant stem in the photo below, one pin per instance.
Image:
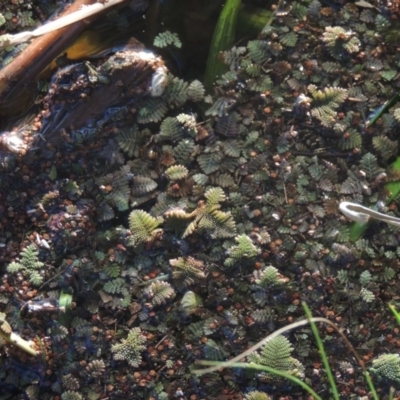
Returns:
(395, 313)
(255, 347)
(321, 349)
(325, 359)
(215, 366)
(59, 23)
(370, 385)
(270, 370)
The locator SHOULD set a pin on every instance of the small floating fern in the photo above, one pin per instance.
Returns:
(277, 354)
(325, 102)
(130, 348)
(29, 265)
(143, 227)
(167, 38)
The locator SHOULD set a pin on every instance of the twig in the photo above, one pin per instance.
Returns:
(84, 12)
(19, 73)
(8, 336)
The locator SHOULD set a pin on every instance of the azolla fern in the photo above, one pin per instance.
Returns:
(326, 102)
(207, 217)
(167, 38)
(340, 41)
(144, 228)
(277, 354)
(29, 265)
(159, 292)
(243, 251)
(270, 277)
(130, 349)
(187, 270)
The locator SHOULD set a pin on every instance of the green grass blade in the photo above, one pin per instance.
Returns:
(324, 358)
(395, 313)
(371, 385)
(223, 39)
(382, 110)
(393, 187)
(270, 370)
(65, 301)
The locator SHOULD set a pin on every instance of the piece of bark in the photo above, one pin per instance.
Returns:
(81, 95)
(18, 74)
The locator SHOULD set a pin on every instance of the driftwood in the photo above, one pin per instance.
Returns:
(18, 74)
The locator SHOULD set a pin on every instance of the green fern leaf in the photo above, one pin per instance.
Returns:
(130, 348)
(228, 126)
(256, 395)
(190, 302)
(112, 270)
(396, 114)
(170, 129)
(334, 230)
(130, 141)
(388, 274)
(159, 292)
(29, 264)
(289, 39)
(365, 278)
(189, 123)
(187, 270)
(190, 229)
(215, 196)
(176, 172)
(115, 286)
(263, 315)
(183, 151)
(388, 75)
(142, 226)
(142, 185)
(29, 257)
(385, 147)
(209, 162)
(326, 102)
(369, 164)
(220, 107)
(153, 110)
(387, 367)
(104, 212)
(381, 23)
(200, 179)
(196, 91)
(223, 180)
(259, 84)
(270, 277)
(258, 51)
(167, 38)
(351, 140)
(212, 351)
(232, 148)
(366, 295)
(176, 92)
(254, 70)
(244, 250)
(14, 267)
(218, 224)
(35, 278)
(276, 353)
(338, 40)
